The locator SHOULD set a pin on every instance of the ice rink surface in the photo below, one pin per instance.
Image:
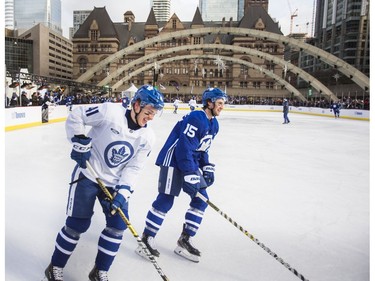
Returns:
(301, 189)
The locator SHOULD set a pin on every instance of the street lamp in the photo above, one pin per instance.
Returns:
(156, 72)
(336, 77)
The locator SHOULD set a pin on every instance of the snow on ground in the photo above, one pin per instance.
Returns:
(302, 189)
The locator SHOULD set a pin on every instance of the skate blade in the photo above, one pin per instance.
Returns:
(142, 253)
(185, 254)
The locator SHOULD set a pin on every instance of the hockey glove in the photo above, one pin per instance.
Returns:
(120, 199)
(81, 150)
(209, 174)
(191, 184)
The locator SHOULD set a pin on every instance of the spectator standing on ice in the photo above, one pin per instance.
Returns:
(286, 111)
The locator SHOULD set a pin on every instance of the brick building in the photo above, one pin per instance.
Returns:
(99, 37)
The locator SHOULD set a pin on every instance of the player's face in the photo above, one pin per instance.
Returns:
(219, 106)
(147, 113)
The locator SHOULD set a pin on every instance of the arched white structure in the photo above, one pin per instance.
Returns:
(316, 84)
(358, 77)
(277, 78)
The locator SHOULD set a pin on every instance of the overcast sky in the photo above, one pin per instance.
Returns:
(184, 9)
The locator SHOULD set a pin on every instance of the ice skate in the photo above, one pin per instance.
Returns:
(186, 249)
(53, 273)
(98, 275)
(150, 244)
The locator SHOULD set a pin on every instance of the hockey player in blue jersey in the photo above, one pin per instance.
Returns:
(335, 107)
(286, 111)
(69, 102)
(117, 145)
(184, 164)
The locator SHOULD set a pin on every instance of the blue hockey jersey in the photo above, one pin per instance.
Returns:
(187, 145)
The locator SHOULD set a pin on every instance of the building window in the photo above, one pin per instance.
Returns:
(270, 67)
(256, 84)
(82, 65)
(269, 85)
(94, 35)
(94, 48)
(243, 84)
(244, 70)
(197, 40)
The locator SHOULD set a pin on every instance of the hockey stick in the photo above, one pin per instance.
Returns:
(268, 250)
(127, 222)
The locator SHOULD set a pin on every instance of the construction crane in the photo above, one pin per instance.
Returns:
(292, 16)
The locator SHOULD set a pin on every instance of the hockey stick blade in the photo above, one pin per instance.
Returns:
(268, 250)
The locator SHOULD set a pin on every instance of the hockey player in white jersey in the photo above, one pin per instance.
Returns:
(192, 103)
(184, 164)
(117, 146)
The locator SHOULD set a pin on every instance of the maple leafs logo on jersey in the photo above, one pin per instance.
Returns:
(117, 153)
(205, 143)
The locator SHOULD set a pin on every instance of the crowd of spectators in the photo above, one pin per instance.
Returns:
(60, 98)
(40, 98)
(346, 102)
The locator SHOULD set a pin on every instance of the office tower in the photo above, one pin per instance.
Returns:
(9, 14)
(162, 9)
(78, 18)
(342, 29)
(244, 4)
(216, 10)
(250, 3)
(52, 53)
(240, 9)
(28, 13)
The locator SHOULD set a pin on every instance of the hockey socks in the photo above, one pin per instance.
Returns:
(108, 245)
(66, 241)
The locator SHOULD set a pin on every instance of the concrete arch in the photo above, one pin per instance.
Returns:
(277, 78)
(294, 69)
(357, 77)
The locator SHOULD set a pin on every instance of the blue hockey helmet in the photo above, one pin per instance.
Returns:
(147, 94)
(213, 94)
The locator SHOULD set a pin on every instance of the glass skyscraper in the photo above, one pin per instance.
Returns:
(28, 13)
(216, 10)
(342, 28)
(240, 9)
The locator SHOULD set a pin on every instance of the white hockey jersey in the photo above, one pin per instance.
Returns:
(118, 153)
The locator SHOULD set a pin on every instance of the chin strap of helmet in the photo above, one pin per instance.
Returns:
(136, 114)
(212, 109)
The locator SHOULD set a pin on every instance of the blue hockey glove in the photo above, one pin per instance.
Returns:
(209, 174)
(191, 184)
(81, 150)
(120, 199)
